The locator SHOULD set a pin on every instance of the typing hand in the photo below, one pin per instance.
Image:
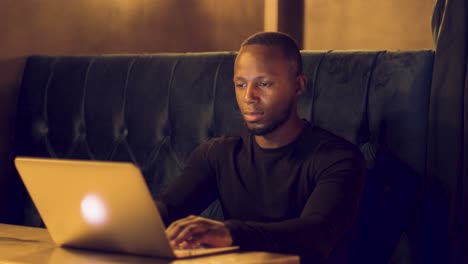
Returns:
(195, 231)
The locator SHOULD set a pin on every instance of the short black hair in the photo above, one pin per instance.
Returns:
(285, 42)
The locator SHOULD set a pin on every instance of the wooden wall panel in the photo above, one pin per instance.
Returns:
(368, 24)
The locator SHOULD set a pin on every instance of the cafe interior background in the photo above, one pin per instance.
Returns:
(82, 27)
(57, 27)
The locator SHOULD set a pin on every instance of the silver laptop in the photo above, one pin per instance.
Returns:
(99, 205)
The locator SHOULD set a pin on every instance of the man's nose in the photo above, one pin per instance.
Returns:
(250, 94)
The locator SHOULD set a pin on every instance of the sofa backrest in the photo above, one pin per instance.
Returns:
(154, 109)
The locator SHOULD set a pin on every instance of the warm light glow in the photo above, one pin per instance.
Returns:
(93, 210)
(270, 19)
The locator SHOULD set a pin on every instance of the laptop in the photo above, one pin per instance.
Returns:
(99, 205)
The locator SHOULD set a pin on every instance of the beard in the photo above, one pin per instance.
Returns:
(273, 124)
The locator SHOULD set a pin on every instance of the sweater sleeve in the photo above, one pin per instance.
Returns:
(193, 190)
(329, 212)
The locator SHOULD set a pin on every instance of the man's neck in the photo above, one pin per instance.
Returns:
(282, 135)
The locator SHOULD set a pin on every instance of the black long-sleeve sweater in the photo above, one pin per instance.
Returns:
(300, 198)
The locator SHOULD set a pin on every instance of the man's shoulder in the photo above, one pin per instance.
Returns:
(224, 140)
(215, 148)
(325, 141)
(221, 143)
(326, 136)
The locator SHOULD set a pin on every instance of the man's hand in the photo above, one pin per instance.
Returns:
(194, 231)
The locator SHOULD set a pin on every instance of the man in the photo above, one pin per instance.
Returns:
(284, 185)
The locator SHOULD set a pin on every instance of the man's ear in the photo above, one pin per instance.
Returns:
(300, 84)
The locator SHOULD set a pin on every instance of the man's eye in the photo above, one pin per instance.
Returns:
(264, 84)
(240, 85)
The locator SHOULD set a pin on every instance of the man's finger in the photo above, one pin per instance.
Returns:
(182, 221)
(178, 226)
(215, 237)
(190, 233)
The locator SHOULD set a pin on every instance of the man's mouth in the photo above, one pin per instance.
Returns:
(252, 116)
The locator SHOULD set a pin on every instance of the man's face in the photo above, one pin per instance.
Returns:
(266, 88)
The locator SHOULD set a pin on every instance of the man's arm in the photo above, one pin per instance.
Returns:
(193, 190)
(329, 212)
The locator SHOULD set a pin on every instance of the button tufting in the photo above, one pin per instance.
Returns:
(167, 132)
(41, 129)
(123, 132)
(82, 132)
(210, 133)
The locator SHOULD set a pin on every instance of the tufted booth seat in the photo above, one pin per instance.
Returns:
(153, 110)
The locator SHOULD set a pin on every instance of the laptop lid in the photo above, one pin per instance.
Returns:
(95, 205)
